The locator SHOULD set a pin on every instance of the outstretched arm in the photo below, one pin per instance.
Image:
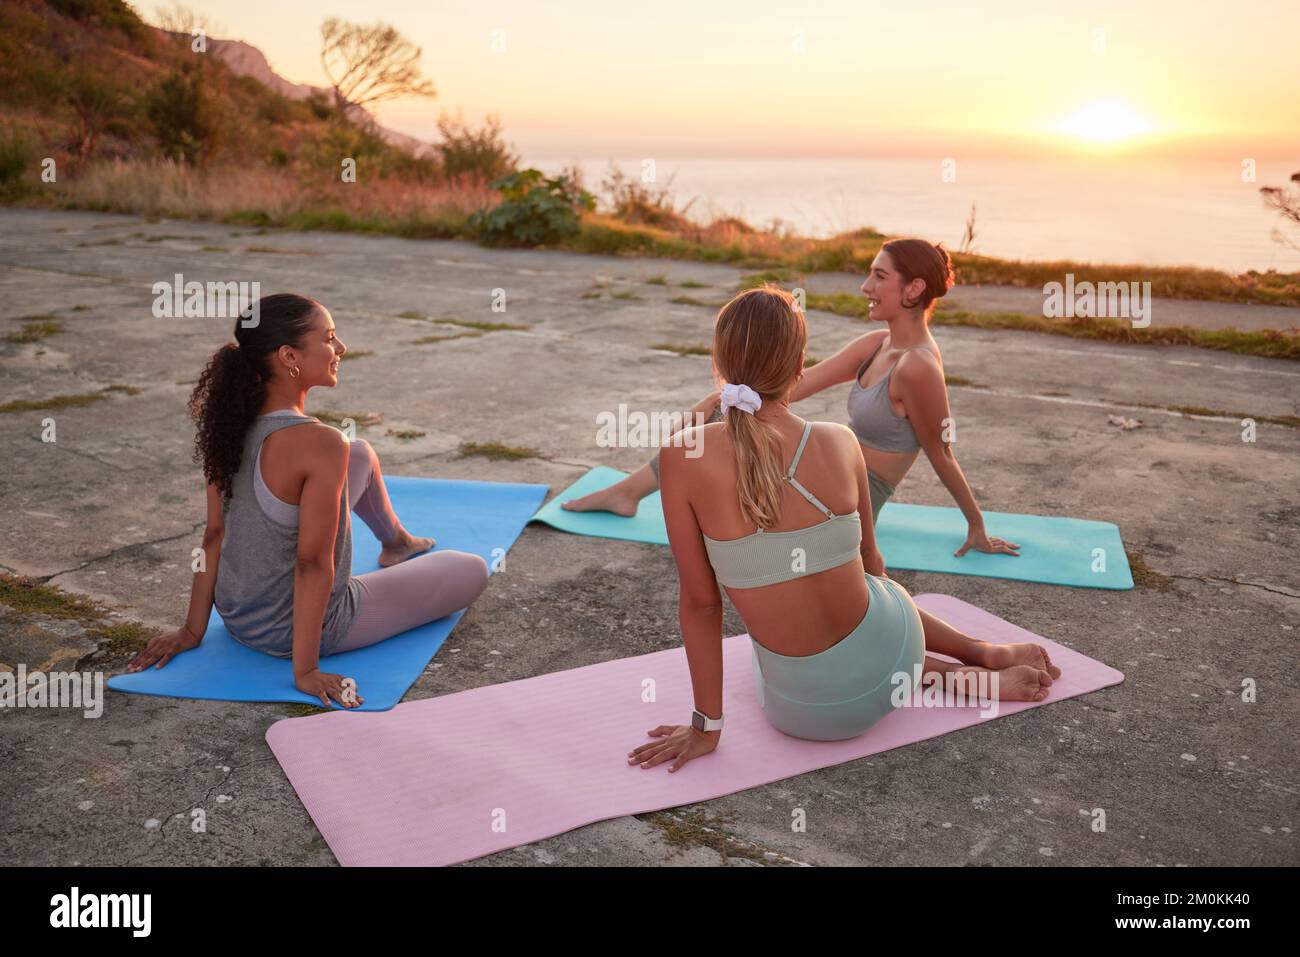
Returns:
(839, 367)
(162, 648)
(921, 388)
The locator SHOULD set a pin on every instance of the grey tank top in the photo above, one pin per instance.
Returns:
(765, 558)
(873, 419)
(254, 593)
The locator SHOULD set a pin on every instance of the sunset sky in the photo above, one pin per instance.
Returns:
(725, 78)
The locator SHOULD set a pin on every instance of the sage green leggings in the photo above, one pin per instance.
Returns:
(840, 692)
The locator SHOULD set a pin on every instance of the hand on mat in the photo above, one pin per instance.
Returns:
(163, 648)
(680, 741)
(320, 684)
(979, 540)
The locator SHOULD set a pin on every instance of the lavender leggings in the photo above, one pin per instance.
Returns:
(416, 591)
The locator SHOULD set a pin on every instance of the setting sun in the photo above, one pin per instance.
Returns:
(1108, 121)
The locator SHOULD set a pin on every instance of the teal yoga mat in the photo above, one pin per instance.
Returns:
(480, 517)
(1053, 550)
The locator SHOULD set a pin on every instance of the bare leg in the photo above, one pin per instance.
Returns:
(621, 498)
(421, 590)
(368, 497)
(942, 638)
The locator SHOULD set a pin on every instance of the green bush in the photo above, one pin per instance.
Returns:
(534, 210)
(481, 153)
(15, 154)
(182, 117)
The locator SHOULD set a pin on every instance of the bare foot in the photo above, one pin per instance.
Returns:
(612, 499)
(1023, 683)
(1014, 683)
(998, 657)
(405, 547)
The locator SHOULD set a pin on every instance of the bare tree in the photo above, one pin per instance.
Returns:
(178, 18)
(366, 64)
(1287, 204)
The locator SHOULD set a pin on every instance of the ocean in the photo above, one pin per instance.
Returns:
(1158, 211)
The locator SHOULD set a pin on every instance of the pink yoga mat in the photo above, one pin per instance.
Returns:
(449, 779)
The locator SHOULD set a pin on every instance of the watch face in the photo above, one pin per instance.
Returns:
(697, 721)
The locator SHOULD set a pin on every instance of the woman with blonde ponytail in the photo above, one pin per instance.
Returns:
(832, 637)
(901, 413)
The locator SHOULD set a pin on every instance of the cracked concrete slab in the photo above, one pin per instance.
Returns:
(1184, 769)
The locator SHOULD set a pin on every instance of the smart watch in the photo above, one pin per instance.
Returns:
(702, 722)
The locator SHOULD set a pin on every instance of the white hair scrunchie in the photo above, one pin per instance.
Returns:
(740, 397)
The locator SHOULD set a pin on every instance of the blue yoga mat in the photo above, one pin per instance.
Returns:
(480, 517)
(1053, 551)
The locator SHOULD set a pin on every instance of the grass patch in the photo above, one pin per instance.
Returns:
(592, 294)
(692, 284)
(65, 401)
(459, 335)
(697, 829)
(215, 249)
(660, 280)
(122, 638)
(406, 434)
(35, 330)
(1290, 421)
(963, 381)
(774, 276)
(484, 326)
(1143, 575)
(624, 294)
(304, 710)
(464, 323)
(691, 301)
(100, 242)
(496, 451)
(30, 597)
(81, 308)
(682, 350)
(810, 361)
(336, 419)
(1269, 344)
(357, 354)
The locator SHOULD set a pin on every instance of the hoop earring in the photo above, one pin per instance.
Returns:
(294, 372)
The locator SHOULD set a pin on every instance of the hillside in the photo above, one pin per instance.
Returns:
(88, 80)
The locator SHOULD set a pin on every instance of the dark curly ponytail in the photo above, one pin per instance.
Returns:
(232, 389)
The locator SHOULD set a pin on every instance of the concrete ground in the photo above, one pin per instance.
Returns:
(1185, 770)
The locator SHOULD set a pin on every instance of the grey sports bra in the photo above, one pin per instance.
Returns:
(765, 558)
(873, 419)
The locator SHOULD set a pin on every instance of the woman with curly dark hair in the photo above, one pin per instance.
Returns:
(278, 545)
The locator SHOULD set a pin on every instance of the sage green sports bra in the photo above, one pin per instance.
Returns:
(765, 558)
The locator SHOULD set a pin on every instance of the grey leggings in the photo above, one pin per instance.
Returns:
(418, 590)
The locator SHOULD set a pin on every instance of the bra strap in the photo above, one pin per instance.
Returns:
(794, 464)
